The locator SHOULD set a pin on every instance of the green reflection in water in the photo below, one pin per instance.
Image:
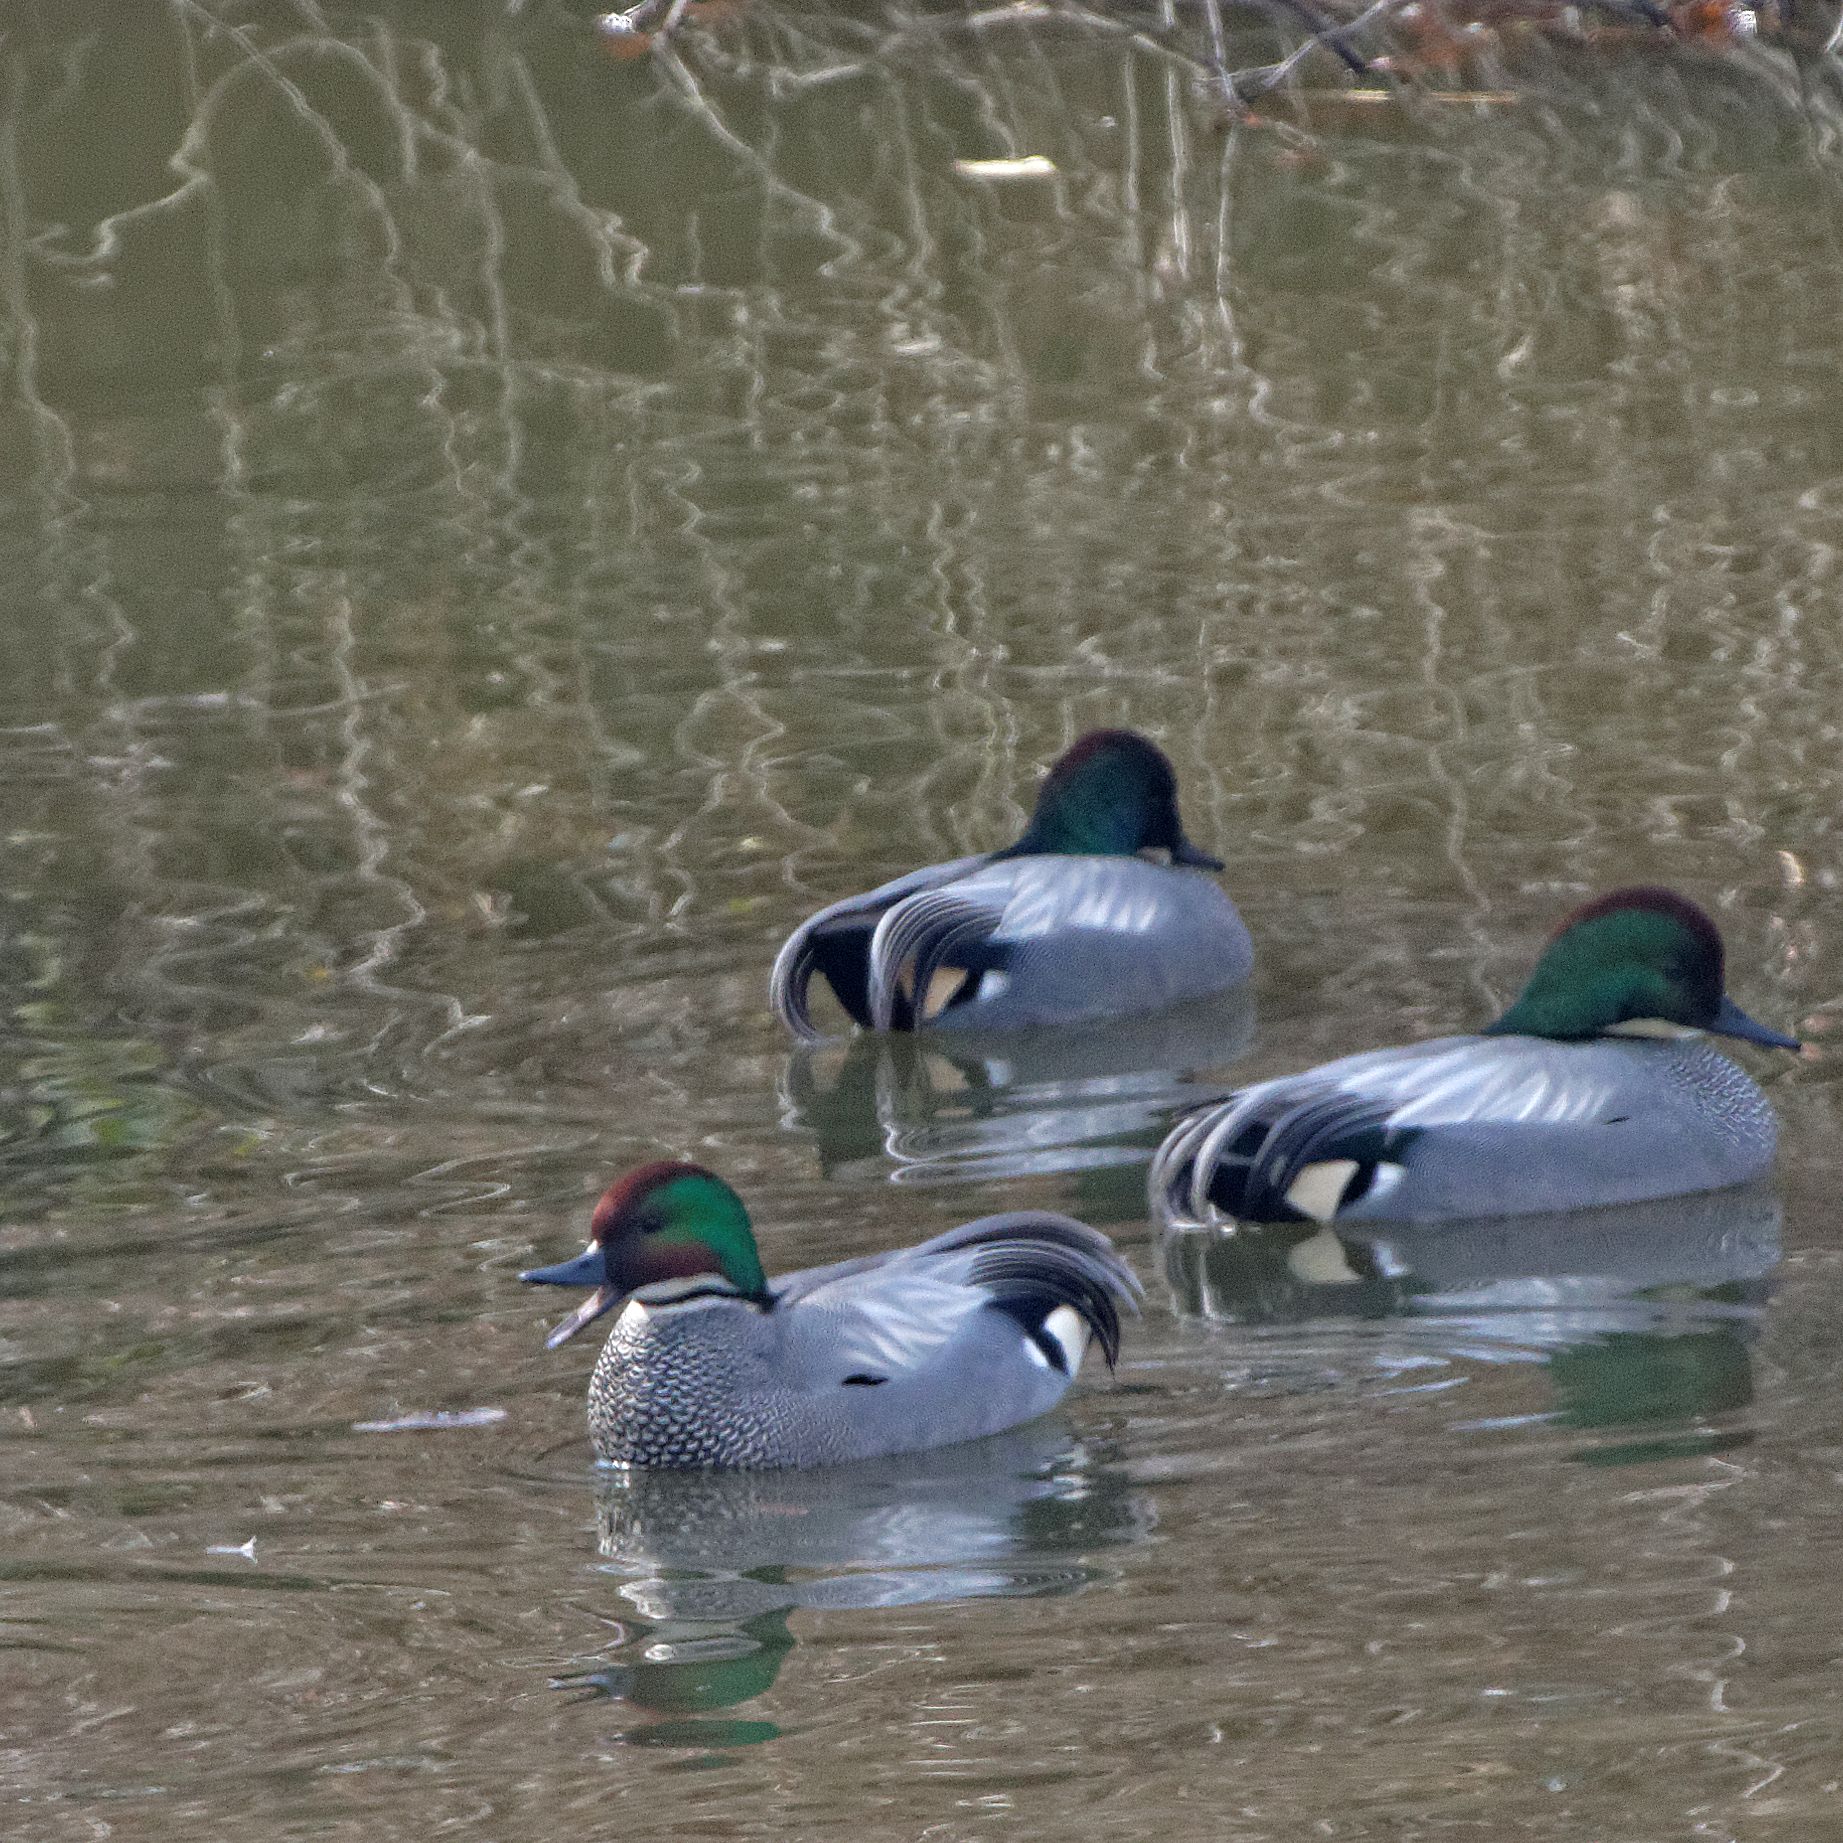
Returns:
(687, 1671)
(1644, 1316)
(1635, 1382)
(713, 1563)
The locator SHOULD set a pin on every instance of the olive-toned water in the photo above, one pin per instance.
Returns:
(492, 534)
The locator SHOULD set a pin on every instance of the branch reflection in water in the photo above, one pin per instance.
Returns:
(1645, 1315)
(712, 1564)
(958, 1108)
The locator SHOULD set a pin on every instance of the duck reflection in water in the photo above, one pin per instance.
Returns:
(711, 1564)
(1644, 1314)
(964, 1106)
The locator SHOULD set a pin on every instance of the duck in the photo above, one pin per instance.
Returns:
(1100, 909)
(1598, 1086)
(710, 1363)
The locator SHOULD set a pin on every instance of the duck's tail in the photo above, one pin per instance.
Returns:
(1302, 1156)
(838, 944)
(1033, 1264)
(929, 953)
(825, 945)
(871, 950)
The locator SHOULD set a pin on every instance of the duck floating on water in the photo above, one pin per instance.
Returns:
(711, 1363)
(1596, 1087)
(1071, 922)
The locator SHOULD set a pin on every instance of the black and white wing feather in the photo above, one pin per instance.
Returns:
(1465, 1126)
(836, 944)
(929, 951)
(888, 1314)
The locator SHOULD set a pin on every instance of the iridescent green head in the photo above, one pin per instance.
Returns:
(1111, 794)
(665, 1222)
(1636, 962)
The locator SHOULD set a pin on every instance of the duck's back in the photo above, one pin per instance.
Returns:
(911, 1363)
(1078, 937)
(1482, 1126)
(1004, 943)
(1574, 1125)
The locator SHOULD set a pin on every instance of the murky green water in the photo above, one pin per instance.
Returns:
(490, 536)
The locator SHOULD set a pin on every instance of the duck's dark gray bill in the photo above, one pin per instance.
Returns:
(1732, 1021)
(587, 1269)
(1197, 858)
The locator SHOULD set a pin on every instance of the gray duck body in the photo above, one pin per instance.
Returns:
(861, 1359)
(1028, 941)
(1475, 1126)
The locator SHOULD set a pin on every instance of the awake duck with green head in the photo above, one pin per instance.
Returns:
(711, 1363)
(1598, 1086)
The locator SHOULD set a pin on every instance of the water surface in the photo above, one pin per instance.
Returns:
(492, 535)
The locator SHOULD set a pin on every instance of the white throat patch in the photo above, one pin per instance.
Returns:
(691, 1288)
(1660, 1028)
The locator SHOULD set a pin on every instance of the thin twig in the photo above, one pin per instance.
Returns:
(1219, 54)
(1272, 76)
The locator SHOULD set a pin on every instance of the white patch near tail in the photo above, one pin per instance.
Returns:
(1066, 1329)
(943, 987)
(1319, 1189)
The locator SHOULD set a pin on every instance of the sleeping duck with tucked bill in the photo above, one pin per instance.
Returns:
(1101, 908)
